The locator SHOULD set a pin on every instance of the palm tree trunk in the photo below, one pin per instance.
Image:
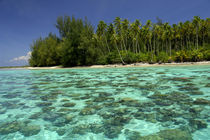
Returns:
(107, 44)
(170, 46)
(119, 54)
(197, 37)
(136, 46)
(124, 44)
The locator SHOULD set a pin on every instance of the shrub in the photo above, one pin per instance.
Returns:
(113, 58)
(143, 57)
(206, 55)
(181, 56)
(163, 57)
(129, 57)
(196, 55)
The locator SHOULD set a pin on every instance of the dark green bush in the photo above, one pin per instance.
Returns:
(181, 56)
(113, 58)
(196, 55)
(129, 57)
(162, 57)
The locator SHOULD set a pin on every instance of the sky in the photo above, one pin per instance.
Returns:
(23, 21)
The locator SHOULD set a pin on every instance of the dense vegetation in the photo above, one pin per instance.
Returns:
(122, 42)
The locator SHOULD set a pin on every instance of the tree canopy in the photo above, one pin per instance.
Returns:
(122, 42)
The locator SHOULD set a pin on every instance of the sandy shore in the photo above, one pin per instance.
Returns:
(129, 65)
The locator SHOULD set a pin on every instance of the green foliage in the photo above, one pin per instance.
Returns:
(206, 55)
(143, 57)
(45, 52)
(163, 57)
(122, 42)
(113, 58)
(181, 56)
(102, 60)
(129, 57)
(206, 52)
(77, 46)
(196, 55)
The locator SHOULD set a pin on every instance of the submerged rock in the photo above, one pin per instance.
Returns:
(96, 128)
(171, 98)
(69, 105)
(163, 102)
(59, 122)
(181, 79)
(198, 124)
(43, 104)
(9, 127)
(64, 100)
(111, 104)
(174, 134)
(10, 104)
(80, 129)
(10, 96)
(132, 135)
(207, 85)
(164, 115)
(121, 111)
(201, 101)
(65, 110)
(35, 115)
(99, 99)
(129, 102)
(151, 117)
(51, 116)
(106, 115)
(118, 121)
(47, 109)
(87, 111)
(151, 137)
(139, 115)
(48, 97)
(23, 127)
(158, 96)
(112, 131)
(61, 131)
(68, 118)
(2, 111)
(30, 130)
(196, 93)
(196, 110)
(188, 88)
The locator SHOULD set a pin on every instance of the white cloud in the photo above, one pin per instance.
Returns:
(22, 58)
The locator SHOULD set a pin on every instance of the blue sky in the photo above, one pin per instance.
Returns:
(22, 21)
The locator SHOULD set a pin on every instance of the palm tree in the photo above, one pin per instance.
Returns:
(148, 34)
(135, 30)
(118, 31)
(196, 23)
(101, 33)
(114, 40)
(125, 31)
(204, 30)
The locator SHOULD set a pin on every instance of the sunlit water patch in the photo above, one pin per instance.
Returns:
(141, 103)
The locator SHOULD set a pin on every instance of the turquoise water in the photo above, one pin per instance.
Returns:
(100, 104)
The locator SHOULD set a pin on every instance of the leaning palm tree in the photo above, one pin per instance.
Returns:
(114, 40)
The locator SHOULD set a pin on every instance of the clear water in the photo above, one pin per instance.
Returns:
(102, 104)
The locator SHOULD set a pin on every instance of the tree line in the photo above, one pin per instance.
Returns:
(123, 42)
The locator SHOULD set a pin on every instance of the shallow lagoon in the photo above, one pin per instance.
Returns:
(142, 103)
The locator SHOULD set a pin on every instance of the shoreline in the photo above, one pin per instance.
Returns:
(124, 66)
(113, 65)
